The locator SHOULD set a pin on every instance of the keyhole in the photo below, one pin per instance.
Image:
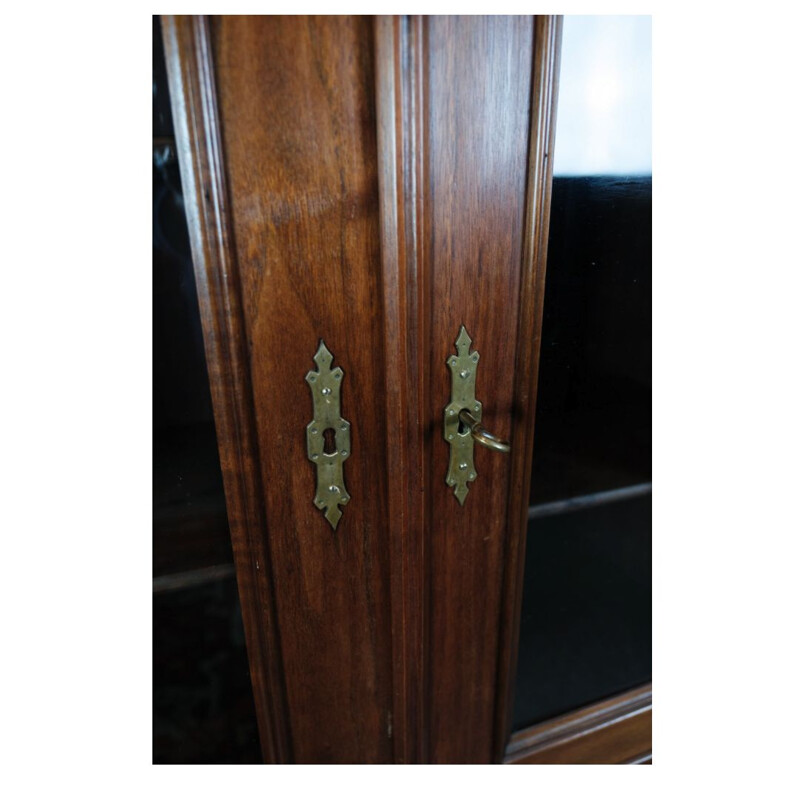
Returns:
(330, 441)
(462, 426)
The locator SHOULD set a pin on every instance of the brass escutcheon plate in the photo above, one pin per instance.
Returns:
(463, 367)
(326, 386)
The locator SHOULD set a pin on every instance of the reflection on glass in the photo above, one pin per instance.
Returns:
(585, 631)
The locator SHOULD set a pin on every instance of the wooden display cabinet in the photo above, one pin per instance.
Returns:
(377, 184)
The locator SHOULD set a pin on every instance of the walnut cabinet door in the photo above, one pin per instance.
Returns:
(358, 189)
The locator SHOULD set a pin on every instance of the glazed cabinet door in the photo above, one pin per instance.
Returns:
(368, 204)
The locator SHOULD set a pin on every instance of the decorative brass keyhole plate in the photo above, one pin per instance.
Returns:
(325, 390)
(462, 369)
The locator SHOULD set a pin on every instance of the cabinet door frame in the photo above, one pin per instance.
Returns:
(402, 112)
(190, 72)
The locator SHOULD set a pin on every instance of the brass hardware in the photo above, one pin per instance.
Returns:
(481, 435)
(464, 411)
(325, 385)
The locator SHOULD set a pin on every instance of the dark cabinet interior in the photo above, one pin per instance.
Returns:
(586, 622)
(585, 631)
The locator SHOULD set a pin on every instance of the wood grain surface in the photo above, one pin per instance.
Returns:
(464, 143)
(190, 70)
(477, 131)
(376, 183)
(297, 115)
(295, 122)
(400, 61)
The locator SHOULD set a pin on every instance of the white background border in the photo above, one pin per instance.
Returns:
(75, 317)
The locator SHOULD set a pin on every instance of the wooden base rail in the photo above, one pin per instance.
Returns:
(614, 731)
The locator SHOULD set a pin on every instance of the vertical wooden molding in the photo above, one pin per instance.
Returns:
(400, 104)
(544, 91)
(194, 107)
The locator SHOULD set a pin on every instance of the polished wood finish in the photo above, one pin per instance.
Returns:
(615, 731)
(376, 183)
(464, 174)
(400, 99)
(477, 132)
(546, 65)
(289, 101)
(194, 102)
(297, 119)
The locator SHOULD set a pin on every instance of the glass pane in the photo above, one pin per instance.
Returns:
(586, 601)
(203, 710)
(190, 527)
(190, 524)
